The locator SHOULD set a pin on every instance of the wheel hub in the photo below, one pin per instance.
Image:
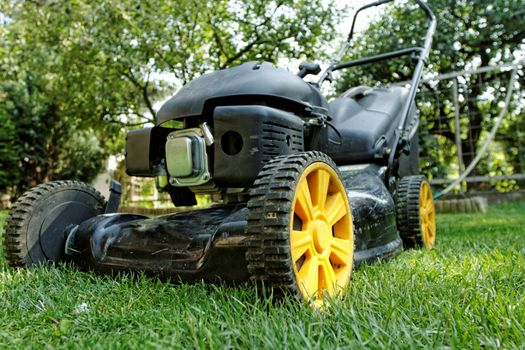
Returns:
(321, 236)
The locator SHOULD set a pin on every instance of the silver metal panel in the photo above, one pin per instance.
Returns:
(179, 158)
(186, 158)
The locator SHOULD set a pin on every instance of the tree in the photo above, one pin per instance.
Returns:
(94, 65)
(8, 151)
(40, 145)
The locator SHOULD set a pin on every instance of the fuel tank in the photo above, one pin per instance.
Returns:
(248, 83)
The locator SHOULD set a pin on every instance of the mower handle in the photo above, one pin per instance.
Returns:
(373, 4)
(426, 46)
(402, 136)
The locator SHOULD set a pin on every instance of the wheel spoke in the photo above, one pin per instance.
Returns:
(309, 276)
(319, 182)
(430, 217)
(335, 208)
(429, 207)
(303, 206)
(329, 281)
(341, 251)
(427, 237)
(431, 231)
(430, 235)
(426, 193)
(300, 242)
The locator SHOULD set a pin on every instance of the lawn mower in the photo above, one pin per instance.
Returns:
(305, 189)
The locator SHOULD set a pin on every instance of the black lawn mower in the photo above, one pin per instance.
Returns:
(305, 189)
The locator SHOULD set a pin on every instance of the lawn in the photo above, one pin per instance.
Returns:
(469, 292)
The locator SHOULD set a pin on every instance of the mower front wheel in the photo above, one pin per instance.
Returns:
(300, 233)
(37, 224)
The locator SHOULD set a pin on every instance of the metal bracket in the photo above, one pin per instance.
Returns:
(115, 191)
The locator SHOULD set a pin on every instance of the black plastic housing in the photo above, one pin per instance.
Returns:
(247, 137)
(210, 244)
(366, 120)
(145, 151)
(250, 81)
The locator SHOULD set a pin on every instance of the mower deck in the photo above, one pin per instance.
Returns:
(208, 244)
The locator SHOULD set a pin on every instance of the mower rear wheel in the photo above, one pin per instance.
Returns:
(300, 232)
(37, 224)
(416, 215)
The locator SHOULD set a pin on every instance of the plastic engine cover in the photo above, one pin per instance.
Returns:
(246, 82)
(247, 137)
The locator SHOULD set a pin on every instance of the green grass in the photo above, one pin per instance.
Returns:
(469, 292)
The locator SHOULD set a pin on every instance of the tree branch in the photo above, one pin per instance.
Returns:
(257, 41)
(458, 17)
(245, 49)
(144, 90)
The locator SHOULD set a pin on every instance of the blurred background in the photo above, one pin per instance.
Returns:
(76, 76)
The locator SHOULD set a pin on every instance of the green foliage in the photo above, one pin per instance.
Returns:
(99, 58)
(81, 156)
(95, 66)
(42, 145)
(8, 151)
(467, 293)
(469, 33)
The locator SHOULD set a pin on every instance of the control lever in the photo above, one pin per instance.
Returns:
(306, 68)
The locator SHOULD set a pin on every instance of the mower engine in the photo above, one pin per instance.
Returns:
(217, 133)
(224, 153)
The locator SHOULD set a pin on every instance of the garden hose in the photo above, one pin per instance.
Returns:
(483, 149)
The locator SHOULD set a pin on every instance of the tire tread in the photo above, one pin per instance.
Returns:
(15, 240)
(268, 244)
(407, 211)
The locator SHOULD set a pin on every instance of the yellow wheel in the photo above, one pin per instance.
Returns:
(416, 215)
(427, 215)
(300, 228)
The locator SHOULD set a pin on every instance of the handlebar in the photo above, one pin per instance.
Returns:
(425, 49)
(402, 135)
